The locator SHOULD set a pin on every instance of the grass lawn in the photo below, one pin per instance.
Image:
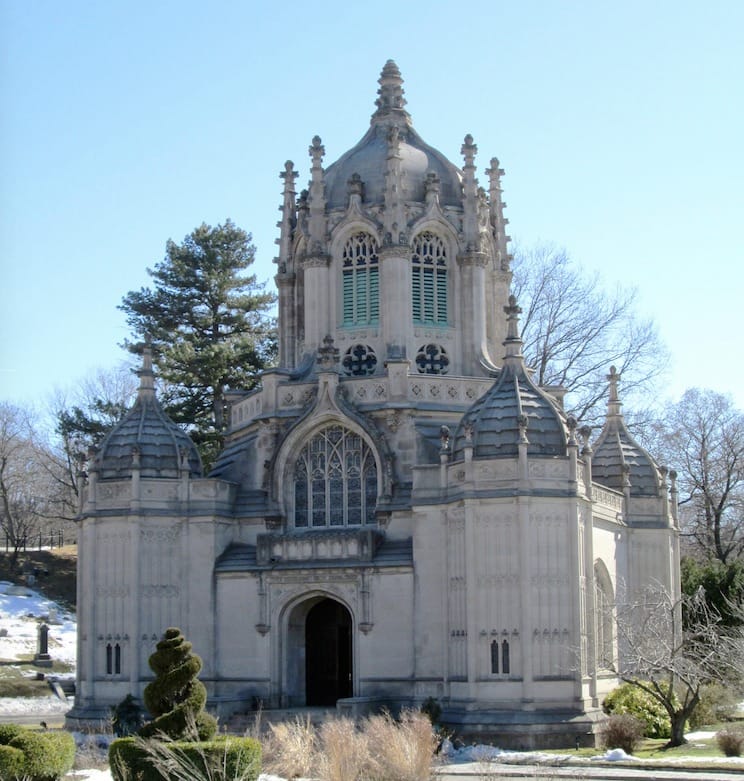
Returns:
(18, 678)
(698, 750)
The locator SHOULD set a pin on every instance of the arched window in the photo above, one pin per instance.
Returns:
(604, 619)
(335, 481)
(429, 280)
(360, 274)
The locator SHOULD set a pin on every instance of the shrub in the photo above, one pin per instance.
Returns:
(223, 759)
(633, 701)
(730, 741)
(8, 732)
(176, 698)
(46, 755)
(11, 762)
(432, 709)
(622, 731)
(126, 717)
(717, 703)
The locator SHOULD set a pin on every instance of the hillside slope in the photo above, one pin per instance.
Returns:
(56, 572)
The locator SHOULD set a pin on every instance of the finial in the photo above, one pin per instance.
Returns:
(469, 150)
(390, 100)
(146, 374)
(614, 404)
(432, 186)
(328, 354)
(355, 185)
(316, 151)
(513, 310)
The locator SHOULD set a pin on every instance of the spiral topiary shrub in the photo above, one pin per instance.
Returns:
(176, 698)
(35, 756)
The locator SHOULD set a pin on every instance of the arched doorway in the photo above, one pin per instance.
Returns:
(328, 653)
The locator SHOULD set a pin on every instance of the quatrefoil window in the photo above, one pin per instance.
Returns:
(359, 361)
(432, 359)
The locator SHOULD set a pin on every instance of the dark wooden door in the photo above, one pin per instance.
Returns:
(328, 669)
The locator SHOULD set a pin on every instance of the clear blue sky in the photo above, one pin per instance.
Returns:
(123, 124)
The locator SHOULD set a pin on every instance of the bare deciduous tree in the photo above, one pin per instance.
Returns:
(672, 659)
(702, 436)
(573, 330)
(24, 489)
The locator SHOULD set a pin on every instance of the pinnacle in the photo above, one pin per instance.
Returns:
(146, 375)
(390, 101)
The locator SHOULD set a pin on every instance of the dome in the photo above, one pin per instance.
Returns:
(368, 159)
(616, 452)
(146, 433)
(513, 407)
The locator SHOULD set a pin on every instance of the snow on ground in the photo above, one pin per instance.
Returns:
(21, 610)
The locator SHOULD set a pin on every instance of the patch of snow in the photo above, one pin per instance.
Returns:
(29, 706)
(700, 735)
(21, 611)
(615, 755)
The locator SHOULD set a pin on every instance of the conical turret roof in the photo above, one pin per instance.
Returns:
(616, 452)
(368, 159)
(146, 437)
(513, 407)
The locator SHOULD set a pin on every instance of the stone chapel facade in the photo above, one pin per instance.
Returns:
(399, 512)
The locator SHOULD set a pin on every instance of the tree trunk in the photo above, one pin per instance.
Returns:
(678, 721)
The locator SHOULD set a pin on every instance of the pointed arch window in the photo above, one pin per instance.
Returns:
(429, 280)
(360, 280)
(335, 481)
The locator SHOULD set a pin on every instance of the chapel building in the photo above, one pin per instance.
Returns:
(400, 512)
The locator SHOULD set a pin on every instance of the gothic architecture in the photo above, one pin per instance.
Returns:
(399, 512)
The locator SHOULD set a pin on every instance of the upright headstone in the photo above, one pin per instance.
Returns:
(42, 658)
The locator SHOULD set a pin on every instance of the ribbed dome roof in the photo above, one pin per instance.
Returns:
(616, 452)
(146, 433)
(369, 157)
(513, 407)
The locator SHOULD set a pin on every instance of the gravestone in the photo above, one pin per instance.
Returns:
(42, 658)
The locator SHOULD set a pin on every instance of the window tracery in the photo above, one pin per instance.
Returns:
(432, 359)
(335, 481)
(429, 280)
(360, 280)
(359, 361)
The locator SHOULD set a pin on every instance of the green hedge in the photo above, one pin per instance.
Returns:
(8, 732)
(11, 762)
(37, 756)
(222, 759)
